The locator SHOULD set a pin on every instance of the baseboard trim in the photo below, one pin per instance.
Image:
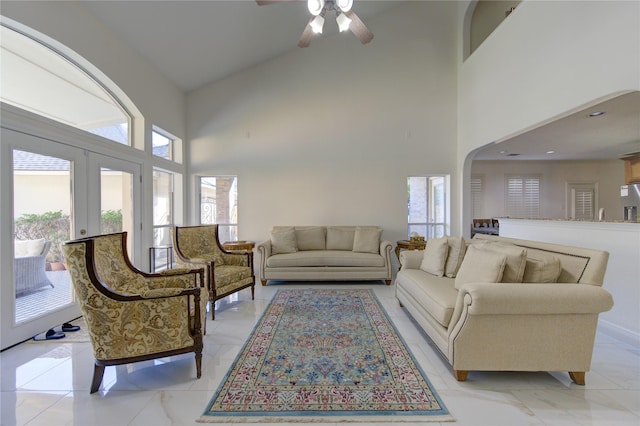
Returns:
(623, 334)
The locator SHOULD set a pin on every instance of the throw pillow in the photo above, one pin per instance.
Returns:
(457, 248)
(283, 240)
(480, 266)
(516, 259)
(340, 238)
(367, 240)
(312, 238)
(435, 256)
(541, 268)
(28, 248)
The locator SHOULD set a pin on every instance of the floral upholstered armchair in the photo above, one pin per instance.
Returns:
(225, 272)
(133, 316)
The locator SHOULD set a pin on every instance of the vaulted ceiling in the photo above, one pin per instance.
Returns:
(194, 43)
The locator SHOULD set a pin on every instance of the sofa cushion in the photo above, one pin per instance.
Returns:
(325, 258)
(340, 238)
(367, 240)
(27, 248)
(435, 256)
(516, 259)
(437, 295)
(283, 240)
(457, 248)
(480, 266)
(541, 268)
(312, 238)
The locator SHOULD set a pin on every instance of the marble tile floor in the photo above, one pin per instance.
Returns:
(48, 383)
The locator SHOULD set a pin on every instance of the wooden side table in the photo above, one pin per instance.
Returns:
(239, 246)
(409, 245)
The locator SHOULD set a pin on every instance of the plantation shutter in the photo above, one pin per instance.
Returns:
(583, 203)
(476, 197)
(523, 196)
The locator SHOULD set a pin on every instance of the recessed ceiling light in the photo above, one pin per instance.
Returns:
(551, 151)
(596, 114)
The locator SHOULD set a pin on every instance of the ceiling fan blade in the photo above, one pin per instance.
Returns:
(267, 2)
(358, 28)
(305, 38)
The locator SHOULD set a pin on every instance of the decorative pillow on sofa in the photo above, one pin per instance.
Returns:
(283, 240)
(516, 259)
(480, 266)
(457, 248)
(312, 238)
(340, 238)
(367, 240)
(435, 256)
(541, 268)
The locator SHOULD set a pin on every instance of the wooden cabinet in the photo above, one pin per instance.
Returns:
(632, 169)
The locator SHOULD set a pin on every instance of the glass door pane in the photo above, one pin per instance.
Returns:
(116, 198)
(116, 203)
(42, 222)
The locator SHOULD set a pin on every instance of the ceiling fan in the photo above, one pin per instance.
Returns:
(345, 17)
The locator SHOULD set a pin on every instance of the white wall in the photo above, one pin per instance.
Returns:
(329, 134)
(548, 58)
(608, 174)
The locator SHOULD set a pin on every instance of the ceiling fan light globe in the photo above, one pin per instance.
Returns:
(315, 6)
(343, 22)
(317, 24)
(345, 5)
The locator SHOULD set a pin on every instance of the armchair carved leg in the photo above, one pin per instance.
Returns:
(98, 373)
(577, 377)
(199, 364)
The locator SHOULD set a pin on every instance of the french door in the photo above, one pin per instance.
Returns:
(59, 191)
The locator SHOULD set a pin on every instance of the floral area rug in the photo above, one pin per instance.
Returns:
(325, 355)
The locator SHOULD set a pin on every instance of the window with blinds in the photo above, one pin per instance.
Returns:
(582, 202)
(523, 196)
(477, 185)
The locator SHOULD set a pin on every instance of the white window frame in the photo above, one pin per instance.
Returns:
(523, 202)
(573, 189)
(431, 227)
(230, 227)
(174, 148)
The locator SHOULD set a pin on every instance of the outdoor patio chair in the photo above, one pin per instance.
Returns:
(29, 265)
(131, 315)
(225, 272)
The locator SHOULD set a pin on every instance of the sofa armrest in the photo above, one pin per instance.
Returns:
(264, 248)
(535, 299)
(411, 259)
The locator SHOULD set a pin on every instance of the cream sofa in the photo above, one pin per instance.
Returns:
(319, 253)
(502, 304)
